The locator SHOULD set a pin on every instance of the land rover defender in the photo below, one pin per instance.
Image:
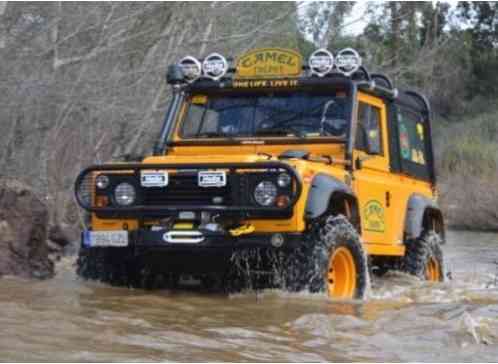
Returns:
(268, 170)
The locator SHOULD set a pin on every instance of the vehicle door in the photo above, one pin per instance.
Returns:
(372, 182)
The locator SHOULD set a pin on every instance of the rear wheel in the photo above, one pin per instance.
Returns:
(338, 263)
(424, 257)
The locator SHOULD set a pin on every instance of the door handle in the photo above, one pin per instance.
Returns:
(388, 198)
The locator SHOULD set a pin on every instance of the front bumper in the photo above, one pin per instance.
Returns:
(211, 240)
(213, 254)
(199, 240)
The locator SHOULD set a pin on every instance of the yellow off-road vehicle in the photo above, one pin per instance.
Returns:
(271, 172)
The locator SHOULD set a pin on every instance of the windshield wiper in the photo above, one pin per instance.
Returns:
(214, 134)
(282, 124)
(280, 131)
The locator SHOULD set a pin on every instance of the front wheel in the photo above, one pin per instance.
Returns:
(338, 260)
(114, 266)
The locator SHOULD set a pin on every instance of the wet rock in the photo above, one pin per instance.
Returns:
(23, 232)
(60, 235)
(54, 251)
(66, 237)
(72, 249)
(53, 247)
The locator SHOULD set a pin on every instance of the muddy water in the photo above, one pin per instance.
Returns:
(404, 319)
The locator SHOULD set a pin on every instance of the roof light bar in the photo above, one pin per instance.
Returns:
(348, 61)
(215, 66)
(191, 68)
(321, 62)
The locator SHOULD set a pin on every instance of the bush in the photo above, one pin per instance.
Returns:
(467, 164)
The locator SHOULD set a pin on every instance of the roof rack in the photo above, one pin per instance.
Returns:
(321, 64)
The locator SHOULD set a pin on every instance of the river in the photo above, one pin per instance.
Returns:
(404, 319)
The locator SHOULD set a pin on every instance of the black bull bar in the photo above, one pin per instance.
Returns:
(85, 189)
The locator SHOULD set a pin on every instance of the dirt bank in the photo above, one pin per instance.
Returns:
(470, 202)
(23, 232)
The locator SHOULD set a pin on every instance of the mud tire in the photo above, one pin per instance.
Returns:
(419, 252)
(114, 266)
(324, 237)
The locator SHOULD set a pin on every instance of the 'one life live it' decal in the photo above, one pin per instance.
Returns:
(374, 218)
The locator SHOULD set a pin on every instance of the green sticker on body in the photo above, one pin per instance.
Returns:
(374, 216)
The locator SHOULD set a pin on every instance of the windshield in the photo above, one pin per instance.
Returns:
(298, 114)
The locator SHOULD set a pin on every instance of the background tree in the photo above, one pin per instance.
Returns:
(84, 82)
(481, 17)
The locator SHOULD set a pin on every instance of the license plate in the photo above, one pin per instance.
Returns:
(212, 178)
(154, 178)
(117, 238)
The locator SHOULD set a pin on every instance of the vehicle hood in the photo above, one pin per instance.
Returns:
(302, 167)
(190, 159)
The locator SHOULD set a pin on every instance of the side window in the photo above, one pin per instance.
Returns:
(369, 132)
(413, 143)
(411, 137)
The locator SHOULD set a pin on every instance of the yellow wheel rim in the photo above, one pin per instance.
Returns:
(341, 275)
(432, 270)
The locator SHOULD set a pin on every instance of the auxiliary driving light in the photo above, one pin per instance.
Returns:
(214, 66)
(102, 181)
(283, 180)
(321, 62)
(191, 68)
(348, 61)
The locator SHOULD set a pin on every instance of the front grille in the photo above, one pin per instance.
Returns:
(183, 190)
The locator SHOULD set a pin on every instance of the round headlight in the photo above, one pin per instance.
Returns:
(283, 180)
(124, 194)
(265, 193)
(102, 181)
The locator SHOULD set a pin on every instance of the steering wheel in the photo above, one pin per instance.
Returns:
(271, 126)
(334, 127)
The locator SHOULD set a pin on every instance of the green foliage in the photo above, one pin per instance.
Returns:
(323, 20)
(451, 54)
(471, 156)
(482, 19)
(469, 147)
(305, 47)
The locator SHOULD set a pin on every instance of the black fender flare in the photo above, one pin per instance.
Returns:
(417, 209)
(321, 190)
